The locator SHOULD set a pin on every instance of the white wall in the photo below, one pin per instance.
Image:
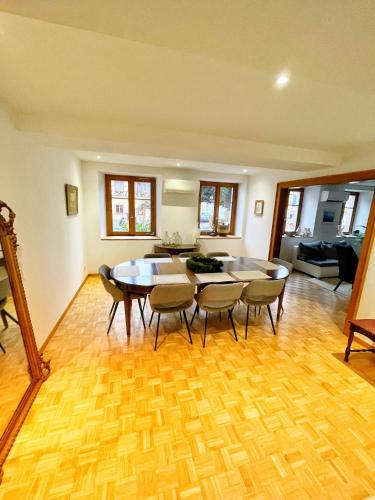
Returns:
(311, 197)
(174, 213)
(52, 247)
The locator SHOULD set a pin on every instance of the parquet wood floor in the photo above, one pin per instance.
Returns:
(270, 417)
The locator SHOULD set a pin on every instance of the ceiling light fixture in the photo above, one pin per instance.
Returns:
(244, 170)
(178, 164)
(98, 157)
(282, 80)
(354, 182)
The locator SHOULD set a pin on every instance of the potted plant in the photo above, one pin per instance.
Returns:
(222, 229)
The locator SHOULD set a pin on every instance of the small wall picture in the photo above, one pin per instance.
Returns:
(71, 196)
(329, 216)
(259, 207)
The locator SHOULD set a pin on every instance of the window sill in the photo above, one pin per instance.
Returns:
(228, 237)
(130, 238)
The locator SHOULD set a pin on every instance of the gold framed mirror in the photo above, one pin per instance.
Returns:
(22, 368)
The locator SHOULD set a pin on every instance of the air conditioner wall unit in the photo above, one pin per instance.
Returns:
(180, 186)
(334, 196)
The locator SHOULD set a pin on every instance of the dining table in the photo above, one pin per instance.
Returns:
(138, 277)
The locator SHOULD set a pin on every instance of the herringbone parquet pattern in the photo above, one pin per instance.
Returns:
(270, 417)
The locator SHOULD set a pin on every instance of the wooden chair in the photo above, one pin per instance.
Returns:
(117, 295)
(365, 327)
(218, 298)
(261, 293)
(166, 299)
(348, 263)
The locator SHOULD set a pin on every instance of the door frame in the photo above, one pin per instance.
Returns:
(281, 202)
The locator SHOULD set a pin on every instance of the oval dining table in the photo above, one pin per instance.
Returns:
(141, 275)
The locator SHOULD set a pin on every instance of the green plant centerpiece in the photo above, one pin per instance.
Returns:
(204, 265)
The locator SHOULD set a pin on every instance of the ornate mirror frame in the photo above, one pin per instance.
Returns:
(38, 368)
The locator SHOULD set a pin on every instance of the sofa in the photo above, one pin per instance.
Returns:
(318, 258)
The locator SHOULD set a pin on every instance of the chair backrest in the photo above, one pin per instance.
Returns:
(170, 296)
(217, 254)
(221, 294)
(284, 263)
(162, 255)
(191, 254)
(348, 262)
(111, 288)
(265, 291)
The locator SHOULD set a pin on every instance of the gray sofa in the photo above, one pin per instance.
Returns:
(317, 259)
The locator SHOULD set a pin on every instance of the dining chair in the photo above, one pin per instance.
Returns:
(190, 254)
(161, 255)
(348, 263)
(218, 298)
(288, 265)
(261, 293)
(117, 295)
(217, 254)
(167, 299)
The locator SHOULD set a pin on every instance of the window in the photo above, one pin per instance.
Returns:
(217, 205)
(348, 213)
(130, 205)
(293, 211)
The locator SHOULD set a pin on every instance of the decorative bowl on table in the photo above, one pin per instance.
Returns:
(204, 265)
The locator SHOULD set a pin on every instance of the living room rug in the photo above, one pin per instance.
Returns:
(330, 283)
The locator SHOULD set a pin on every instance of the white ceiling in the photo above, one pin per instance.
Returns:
(194, 80)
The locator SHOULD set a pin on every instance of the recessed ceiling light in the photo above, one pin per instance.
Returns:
(178, 164)
(244, 170)
(98, 157)
(354, 182)
(282, 79)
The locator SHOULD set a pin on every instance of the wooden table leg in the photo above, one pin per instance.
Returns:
(280, 304)
(128, 312)
(350, 340)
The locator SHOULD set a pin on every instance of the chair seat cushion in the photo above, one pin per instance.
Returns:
(170, 308)
(364, 326)
(322, 263)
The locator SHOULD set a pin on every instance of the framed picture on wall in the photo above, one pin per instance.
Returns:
(71, 197)
(329, 216)
(259, 207)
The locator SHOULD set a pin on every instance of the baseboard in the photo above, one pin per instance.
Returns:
(53, 331)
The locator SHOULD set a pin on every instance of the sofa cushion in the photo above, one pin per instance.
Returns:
(323, 263)
(311, 250)
(329, 249)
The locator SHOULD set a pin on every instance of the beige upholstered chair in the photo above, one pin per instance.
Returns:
(161, 255)
(117, 295)
(286, 264)
(190, 254)
(166, 299)
(5, 292)
(261, 293)
(218, 298)
(217, 254)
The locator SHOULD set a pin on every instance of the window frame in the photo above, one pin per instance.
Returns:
(354, 210)
(131, 197)
(300, 190)
(218, 185)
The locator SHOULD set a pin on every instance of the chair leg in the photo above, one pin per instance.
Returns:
(338, 284)
(180, 318)
(113, 316)
(220, 316)
(270, 315)
(247, 320)
(10, 316)
(347, 350)
(144, 303)
(110, 312)
(4, 318)
(152, 317)
(142, 315)
(195, 312)
(205, 330)
(2, 348)
(232, 323)
(259, 311)
(187, 326)
(157, 333)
